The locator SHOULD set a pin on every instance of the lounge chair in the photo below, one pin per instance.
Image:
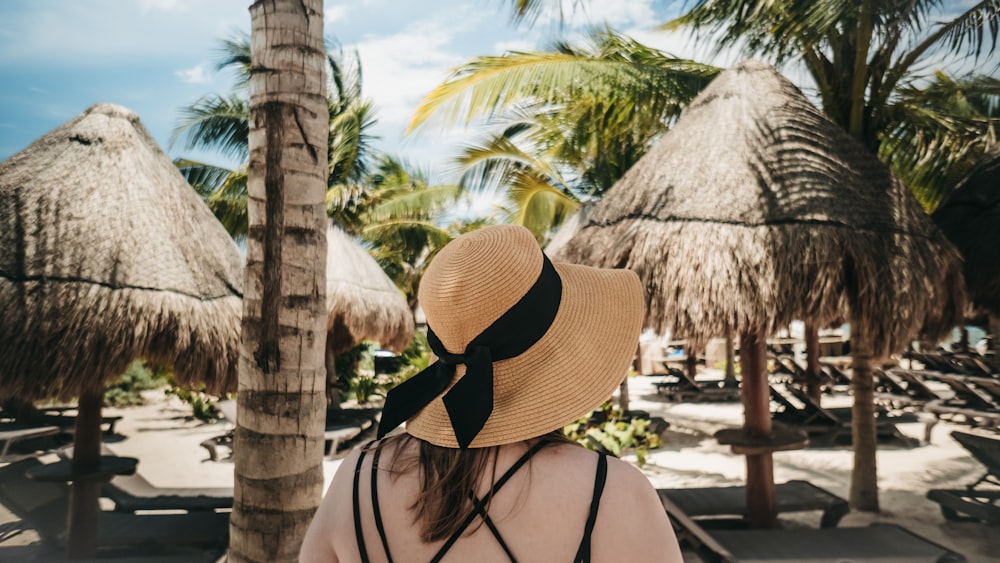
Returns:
(793, 496)
(830, 426)
(681, 387)
(975, 503)
(960, 386)
(11, 434)
(133, 492)
(43, 506)
(881, 543)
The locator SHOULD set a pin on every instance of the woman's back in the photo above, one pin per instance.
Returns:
(540, 513)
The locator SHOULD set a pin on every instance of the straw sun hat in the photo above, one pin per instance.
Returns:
(524, 346)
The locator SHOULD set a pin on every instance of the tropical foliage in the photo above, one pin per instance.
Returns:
(564, 124)
(894, 74)
(870, 62)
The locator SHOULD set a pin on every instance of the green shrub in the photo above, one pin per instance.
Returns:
(202, 404)
(610, 430)
(139, 376)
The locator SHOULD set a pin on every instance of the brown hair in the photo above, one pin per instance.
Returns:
(448, 479)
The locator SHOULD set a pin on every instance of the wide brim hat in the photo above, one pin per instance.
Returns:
(573, 367)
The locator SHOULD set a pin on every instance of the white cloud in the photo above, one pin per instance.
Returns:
(163, 6)
(520, 45)
(617, 13)
(335, 14)
(401, 69)
(193, 75)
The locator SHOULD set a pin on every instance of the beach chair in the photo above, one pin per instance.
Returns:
(892, 390)
(11, 434)
(132, 493)
(976, 504)
(968, 396)
(829, 426)
(43, 506)
(679, 386)
(792, 496)
(880, 543)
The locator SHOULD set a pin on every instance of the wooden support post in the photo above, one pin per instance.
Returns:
(81, 542)
(813, 381)
(761, 501)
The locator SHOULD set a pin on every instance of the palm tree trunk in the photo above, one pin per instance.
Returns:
(864, 475)
(278, 445)
(813, 386)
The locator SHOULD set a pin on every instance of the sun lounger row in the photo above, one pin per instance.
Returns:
(959, 398)
(825, 426)
(959, 363)
(678, 385)
(43, 506)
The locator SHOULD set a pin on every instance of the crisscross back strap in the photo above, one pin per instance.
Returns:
(583, 553)
(478, 505)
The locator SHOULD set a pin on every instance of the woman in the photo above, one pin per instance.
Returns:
(482, 472)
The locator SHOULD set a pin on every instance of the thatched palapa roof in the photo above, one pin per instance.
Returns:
(755, 210)
(363, 303)
(970, 218)
(108, 255)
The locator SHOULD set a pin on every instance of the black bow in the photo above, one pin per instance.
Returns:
(470, 401)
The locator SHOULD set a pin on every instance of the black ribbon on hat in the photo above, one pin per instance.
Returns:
(470, 401)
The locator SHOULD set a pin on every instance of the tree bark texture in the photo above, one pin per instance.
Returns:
(864, 475)
(278, 444)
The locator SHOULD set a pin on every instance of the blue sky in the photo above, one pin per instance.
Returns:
(58, 57)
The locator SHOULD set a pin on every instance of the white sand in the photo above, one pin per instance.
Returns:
(166, 440)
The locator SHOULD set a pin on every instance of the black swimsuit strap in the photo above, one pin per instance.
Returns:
(583, 553)
(375, 507)
(489, 524)
(362, 552)
(478, 505)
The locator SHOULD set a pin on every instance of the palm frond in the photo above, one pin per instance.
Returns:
(612, 66)
(217, 123)
(540, 207)
(937, 132)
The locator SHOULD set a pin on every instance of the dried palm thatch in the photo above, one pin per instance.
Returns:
(755, 210)
(363, 303)
(970, 218)
(108, 255)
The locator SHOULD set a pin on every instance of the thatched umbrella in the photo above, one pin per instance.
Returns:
(363, 302)
(108, 255)
(970, 218)
(755, 210)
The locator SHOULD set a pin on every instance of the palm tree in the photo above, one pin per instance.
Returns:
(571, 120)
(221, 124)
(866, 59)
(869, 63)
(279, 444)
